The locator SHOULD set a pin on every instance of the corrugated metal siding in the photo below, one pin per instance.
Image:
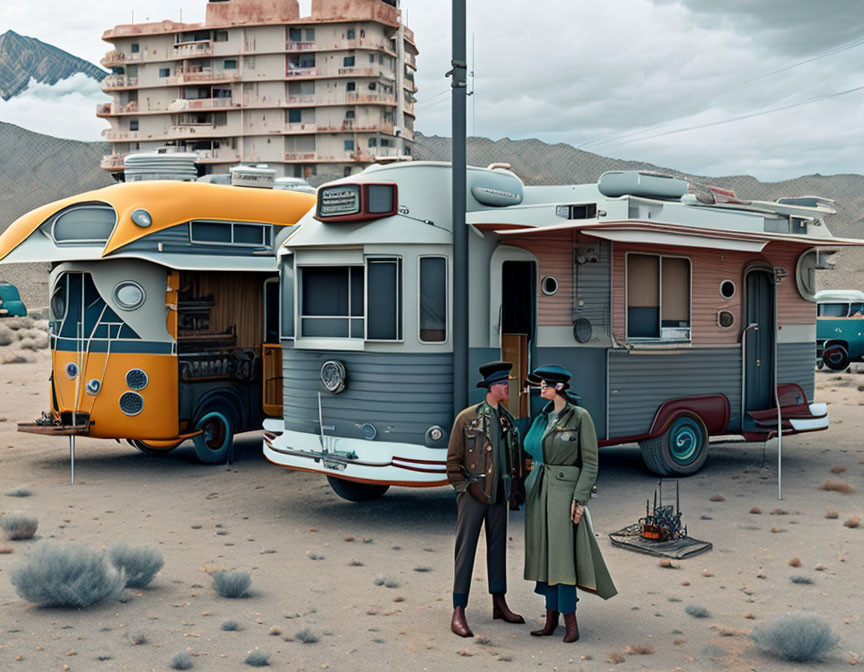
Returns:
(797, 365)
(639, 383)
(791, 307)
(594, 284)
(401, 394)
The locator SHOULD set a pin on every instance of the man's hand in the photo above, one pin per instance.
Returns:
(477, 493)
(576, 511)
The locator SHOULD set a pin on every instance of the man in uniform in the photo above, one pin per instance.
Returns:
(485, 467)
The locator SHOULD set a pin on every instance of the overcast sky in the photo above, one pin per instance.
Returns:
(761, 87)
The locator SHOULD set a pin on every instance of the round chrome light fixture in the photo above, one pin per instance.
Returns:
(93, 386)
(142, 218)
(129, 295)
(333, 375)
(131, 403)
(368, 431)
(72, 370)
(434, 434)
(136, 379)
(582, 330)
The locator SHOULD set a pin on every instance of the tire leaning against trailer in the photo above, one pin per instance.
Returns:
(680, 451)
(356, 492)
(217, 437)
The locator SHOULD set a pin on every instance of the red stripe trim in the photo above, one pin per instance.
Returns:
(408, 459)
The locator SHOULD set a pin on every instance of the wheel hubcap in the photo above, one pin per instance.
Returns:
(214, 434)
(685, 441)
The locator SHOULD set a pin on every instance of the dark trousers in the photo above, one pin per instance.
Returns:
(470, 517)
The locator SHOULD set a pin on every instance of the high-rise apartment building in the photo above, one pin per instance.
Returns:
(256, 82)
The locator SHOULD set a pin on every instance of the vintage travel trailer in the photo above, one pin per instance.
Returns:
(839, 328)
(683, 316)
(163, 310)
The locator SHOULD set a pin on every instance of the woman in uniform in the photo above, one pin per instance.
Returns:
(560, 549)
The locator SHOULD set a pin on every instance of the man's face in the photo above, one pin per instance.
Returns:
(500, 391)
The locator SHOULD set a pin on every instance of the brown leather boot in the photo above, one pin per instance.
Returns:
(458, 624)
(572, 633)
(551, 624)
(502, 611)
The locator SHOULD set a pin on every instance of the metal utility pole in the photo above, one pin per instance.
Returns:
(460, 231)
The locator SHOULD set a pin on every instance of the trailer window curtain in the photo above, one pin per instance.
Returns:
(658, 297)
(433, 299)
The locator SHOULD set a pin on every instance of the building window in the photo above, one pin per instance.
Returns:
(433, 299)
(310, 34)
(229, 64)
(164, 72)
(348, 61)
(351, 34)
(373, 142)
(371, 58)
(133, 124)
(372, 86)
(351, 86)
(295, 34)
(220, 36)
(332, 302)
(658, 297)
(294, 116)
(349, 145)
(350, 114)
(135, 47)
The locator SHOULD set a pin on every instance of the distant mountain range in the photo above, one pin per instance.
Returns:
(24, 57)
(36, 169)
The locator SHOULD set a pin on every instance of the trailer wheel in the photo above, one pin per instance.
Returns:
(356, 492)
(680, 451)
(216, 439)
(836, 357)
(147, 449)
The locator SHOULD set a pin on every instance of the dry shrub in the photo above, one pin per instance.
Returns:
(640, 650)
(853, 522)
(18, 526)
(832, 514)
(838, 470)
(795, 562)
(797, 638)
(803, 580)
(140, 564)
(306, 636)
(232, 584)
(837, 486)
(615, 658)
(181, 661)
(718, 498)
(696, 611)
(756, 510)
(20, 491)
(257, 659)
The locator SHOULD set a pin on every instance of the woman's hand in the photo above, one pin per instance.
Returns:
(576, 511)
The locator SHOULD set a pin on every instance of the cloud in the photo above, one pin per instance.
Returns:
(65, 110)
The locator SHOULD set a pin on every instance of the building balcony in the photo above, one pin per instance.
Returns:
(182, 104)
(300, 127)
(221, 155)
(119, 82)
(112, 162)
(300, 46)
(120, 136)
(205, 75)
(354, 97)
(301, 100)
(107, 109)
(358, 72)
(193, 49)
(296, 73)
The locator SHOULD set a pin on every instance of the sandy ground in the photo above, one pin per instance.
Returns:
(314, 559)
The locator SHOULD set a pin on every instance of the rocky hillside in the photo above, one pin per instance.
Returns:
(36, 169)
(24, 57)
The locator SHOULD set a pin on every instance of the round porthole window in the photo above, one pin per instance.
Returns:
(727, 289)
(549, 285)
(129, 295)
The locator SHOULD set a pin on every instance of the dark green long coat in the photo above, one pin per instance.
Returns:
(556, 550)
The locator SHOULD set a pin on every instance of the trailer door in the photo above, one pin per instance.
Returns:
(518, 311)
(759, 343)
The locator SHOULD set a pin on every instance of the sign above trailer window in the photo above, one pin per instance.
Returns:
(356, 202)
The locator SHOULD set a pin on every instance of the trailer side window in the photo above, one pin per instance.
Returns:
(385, 300)
(433, 299)
(658, 297)
(332, 302)
(286, 289)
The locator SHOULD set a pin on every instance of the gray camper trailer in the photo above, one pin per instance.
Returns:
(682, 317)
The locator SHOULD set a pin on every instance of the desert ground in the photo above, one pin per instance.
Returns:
(314, 558)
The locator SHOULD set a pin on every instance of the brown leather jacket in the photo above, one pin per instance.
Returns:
(469, 454)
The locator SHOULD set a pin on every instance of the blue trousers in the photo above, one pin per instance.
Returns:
(559, 597)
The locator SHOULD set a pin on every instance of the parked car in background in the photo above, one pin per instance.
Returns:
(840, 328)
(11, 304)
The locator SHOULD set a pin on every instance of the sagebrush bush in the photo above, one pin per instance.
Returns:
(801, 579)
(140, 564)
(696, 611)
(257, 659)
(306, 636)
(797, 638)
(182, 661)
(232, 584)
(20, 491)
(18, 526)
(63, 574)
(231, 626)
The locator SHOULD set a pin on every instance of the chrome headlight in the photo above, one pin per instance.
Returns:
(93, 386)
(72, 370)
(333, 375)
(142, 218)
(129, 295)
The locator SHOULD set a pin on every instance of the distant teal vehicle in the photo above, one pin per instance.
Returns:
(11, 304)
(839, 328)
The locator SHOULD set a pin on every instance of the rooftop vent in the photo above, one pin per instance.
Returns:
(258, 176)
(163, 164)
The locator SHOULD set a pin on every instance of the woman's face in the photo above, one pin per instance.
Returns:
(547, 390)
